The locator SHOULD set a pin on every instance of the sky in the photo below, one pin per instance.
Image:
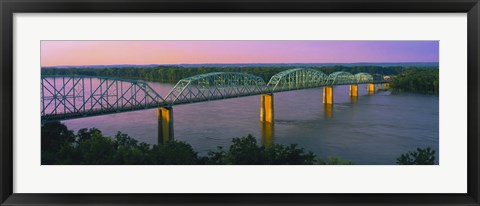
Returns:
(76, 53)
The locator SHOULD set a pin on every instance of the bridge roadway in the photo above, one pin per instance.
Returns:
(70, 97)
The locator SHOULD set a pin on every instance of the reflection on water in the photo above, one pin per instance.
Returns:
(267, 129)
(354, 99)
(370, 129)
(328, 110)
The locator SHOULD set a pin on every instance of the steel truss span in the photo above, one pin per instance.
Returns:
(341, 78)
(299, 78)
(213, 86)
(363, 78)
(69, 97)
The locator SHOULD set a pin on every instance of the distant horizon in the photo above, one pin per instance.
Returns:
(155, 64)
(84, 53)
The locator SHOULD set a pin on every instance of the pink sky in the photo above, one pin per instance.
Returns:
(74, 53)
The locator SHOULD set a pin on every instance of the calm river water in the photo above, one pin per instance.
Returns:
(374, 129)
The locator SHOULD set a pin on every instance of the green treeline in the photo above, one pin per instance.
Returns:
(61, 146)
(416, 80)
(171, 74)
(425, 156)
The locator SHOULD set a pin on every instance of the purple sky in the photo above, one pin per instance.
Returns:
(63, 53)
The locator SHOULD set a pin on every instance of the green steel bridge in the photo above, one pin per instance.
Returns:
(69, 97)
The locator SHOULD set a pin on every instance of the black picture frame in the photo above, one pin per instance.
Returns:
(10, 7)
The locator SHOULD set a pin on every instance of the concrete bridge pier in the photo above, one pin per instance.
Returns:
(353, 90)
(266, 108)
(371, 88)
(327, 95)
(165, 124)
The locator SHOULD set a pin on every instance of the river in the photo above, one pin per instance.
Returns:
(370, 130)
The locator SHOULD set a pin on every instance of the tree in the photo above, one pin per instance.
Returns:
(56, 143)
(334, 161)
(417, 80)
(246, 151)
(421, 156)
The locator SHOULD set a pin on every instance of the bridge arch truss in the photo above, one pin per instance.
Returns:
(299, 78)
(216, 85)
(363, 78)
(339, 78)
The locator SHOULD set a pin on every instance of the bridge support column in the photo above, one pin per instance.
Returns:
(165, 124)
(266, 108)
(371, 88)
(353, 90)
(327, 94)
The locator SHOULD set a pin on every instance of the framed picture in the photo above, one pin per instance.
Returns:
(239, 102)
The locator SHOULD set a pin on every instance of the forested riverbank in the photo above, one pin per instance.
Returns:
(171, 74)
(424, 81)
